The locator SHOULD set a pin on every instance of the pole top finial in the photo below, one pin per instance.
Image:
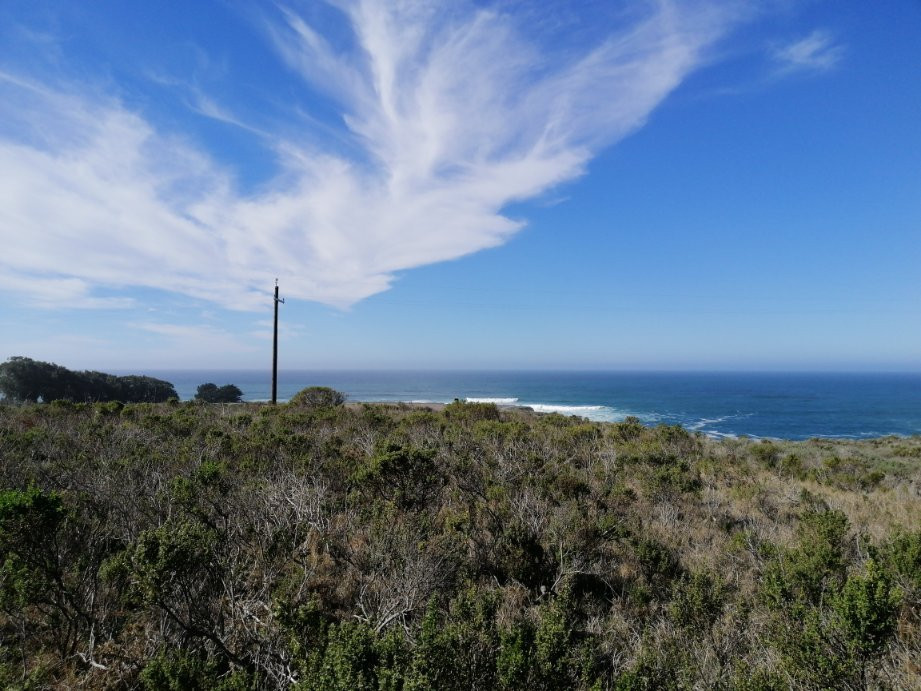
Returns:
(276, 281)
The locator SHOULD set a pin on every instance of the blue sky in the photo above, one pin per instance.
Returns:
(661, 185)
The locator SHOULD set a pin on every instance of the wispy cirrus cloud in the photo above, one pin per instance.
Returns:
(451, 112)
(817, 52)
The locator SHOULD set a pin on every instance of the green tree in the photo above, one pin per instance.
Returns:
(212, 393)
(25, 380)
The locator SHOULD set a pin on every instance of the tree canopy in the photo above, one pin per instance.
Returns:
(212, 393)
(23, 379)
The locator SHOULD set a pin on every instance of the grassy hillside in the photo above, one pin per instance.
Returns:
(388, 547)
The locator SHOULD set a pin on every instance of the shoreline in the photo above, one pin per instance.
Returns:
(437, 407)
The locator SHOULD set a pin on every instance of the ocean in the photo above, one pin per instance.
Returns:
(761, 405)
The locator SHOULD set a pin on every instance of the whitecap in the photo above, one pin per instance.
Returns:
(496, 401)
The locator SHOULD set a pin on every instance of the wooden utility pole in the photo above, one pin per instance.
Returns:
(275, 348)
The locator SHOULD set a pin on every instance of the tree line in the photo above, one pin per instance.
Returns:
(23, 379)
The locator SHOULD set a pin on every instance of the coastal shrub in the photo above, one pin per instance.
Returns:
(457, 647)
(403, 474)
(317, 397)
(802, 575)
(661, 664)
(658, 564)
(834, 646)
(179, 670)
(471, 412)
(385, 547)
(828, 627)
(866, 609)
(698, 601)
(766, 453)
(29, 522)
(631, 428)
(902, 555)
(666, 482)
(520, 557)
(348, 659)
(792, 466)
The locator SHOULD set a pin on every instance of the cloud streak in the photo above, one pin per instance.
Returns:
(452, 116)
(816, 52)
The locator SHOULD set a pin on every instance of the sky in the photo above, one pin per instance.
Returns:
(668, 185)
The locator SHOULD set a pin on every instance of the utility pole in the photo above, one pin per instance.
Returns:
(275, 347)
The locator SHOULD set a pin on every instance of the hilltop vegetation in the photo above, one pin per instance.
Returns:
(187, 545)
(23, 379)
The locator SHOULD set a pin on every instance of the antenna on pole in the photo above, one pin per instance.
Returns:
(275, 347)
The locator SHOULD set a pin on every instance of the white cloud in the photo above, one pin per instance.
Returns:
(817, 52)
(70, 293)
(454, 116)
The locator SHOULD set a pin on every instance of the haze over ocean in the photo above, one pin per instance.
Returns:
(777, 405)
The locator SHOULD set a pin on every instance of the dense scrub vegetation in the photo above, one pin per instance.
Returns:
(330, 546)
(24, 379)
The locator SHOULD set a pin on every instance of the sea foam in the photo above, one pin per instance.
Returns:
(496, 401)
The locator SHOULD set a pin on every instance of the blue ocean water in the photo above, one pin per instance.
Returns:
(772, 405)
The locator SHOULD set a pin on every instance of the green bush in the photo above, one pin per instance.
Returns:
(766, 453)
(805, 573)
(462, 411)
(866, 609)
(403, 474)
(902, 555)
(29, 523)
(698, 601)
(317, 397)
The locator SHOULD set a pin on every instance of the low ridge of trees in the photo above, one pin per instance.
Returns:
(212, 393)
(25, 380)
(185, 546)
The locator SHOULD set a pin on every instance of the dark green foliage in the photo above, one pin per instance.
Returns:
(803, 575)
(826, 626)
(317, 397)
(698, 601)
(178, 670)
(171, 563)
(457, 649)
(628, 430)
(29, 521)
(23, 379)
(521, 558)
(405, 475)
(766, 453)
(212, 393)
(349, 659)
(902, 554)
(514, 659)
(665, 482)
(657, 562)
(866, 610)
